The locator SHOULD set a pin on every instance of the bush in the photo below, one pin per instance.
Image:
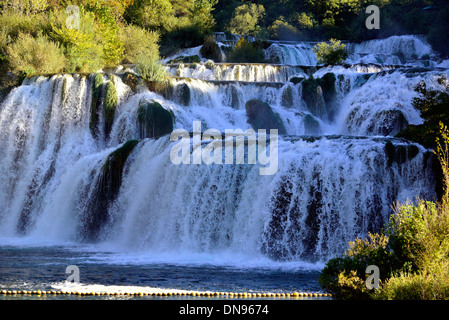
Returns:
(30, 55)
(82, 48)
(138, 41)
(334, 52)
(150, 69)
(417, 286)
(412, 252)
(247, 52)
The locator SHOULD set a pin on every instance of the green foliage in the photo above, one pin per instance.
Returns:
(97, 84)
(82, 48)
(29, 55)
(282, 30)
(246, 18)
(333, 52)
(412, 252)
(433, 106)
(138, 41)
(150, 69)
(249, 52)
(305, 20)
(109, 104)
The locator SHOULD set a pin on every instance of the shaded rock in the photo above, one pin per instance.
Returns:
(311, 125)
(106, 190)
(154, 120)
(261, 116)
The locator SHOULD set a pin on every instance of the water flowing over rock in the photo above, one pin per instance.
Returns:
(86, 158)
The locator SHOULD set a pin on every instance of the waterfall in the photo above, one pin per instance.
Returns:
(76, 168)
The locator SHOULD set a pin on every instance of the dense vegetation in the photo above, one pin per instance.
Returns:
(412, 252)
(41, 36)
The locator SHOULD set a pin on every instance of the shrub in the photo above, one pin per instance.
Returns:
(30, 55)
(247, 52)
(138, 41)
(150, 69)
(83, 51)
(415, 286)
(334, 52)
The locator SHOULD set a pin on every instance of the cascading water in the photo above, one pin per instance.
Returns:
(66, 178)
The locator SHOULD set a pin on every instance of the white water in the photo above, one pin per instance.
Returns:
(326, 192)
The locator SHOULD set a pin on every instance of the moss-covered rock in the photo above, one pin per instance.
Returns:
(287, 97)
(131, 80)
(388, 122)
(186, 59)
(182, 94)
(106, 190)
(296, 80)
(400, 153)
(312, 94)
(97, 90)
(109, 104)
(319, 95)
(153, 120)
(211, 50)
(261, 116)
(311, 125)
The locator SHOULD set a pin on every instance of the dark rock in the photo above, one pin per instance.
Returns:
(153, 120)
(261, 116)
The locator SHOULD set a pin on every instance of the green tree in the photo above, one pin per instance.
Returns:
(201, 14)
(246, 18)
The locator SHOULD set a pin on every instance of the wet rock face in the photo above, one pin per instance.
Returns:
(389, 122)
(105, 192)
(261, 116)
(319, 95)
(154, 120)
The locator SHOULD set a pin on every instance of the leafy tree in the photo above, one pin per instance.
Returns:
(201, 14)
(282, 30)
(246, 18)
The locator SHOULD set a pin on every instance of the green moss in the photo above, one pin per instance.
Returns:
(109, 104)
(327, 83)
(131, 80)
(97, 85)
(153, 120)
